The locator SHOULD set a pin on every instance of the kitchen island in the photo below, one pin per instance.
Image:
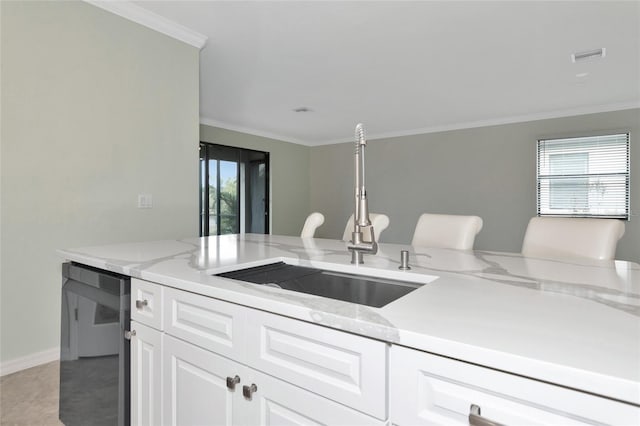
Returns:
(566, 326)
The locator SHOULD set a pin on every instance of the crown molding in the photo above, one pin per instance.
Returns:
(435, 129)
(142, 16)
(215, 123)
(495, 122)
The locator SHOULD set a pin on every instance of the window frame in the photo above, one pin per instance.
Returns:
(549, 178)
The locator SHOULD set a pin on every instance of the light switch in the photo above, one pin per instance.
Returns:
(145, 201)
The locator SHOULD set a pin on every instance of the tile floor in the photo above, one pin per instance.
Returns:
(30, 397)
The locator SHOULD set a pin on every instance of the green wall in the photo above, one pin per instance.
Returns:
(487, 171)
(289, 173)
(95, 110)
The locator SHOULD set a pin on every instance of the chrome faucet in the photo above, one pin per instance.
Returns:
(358, 246)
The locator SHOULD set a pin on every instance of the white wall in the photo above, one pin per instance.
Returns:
(487, 171)
(95, 109)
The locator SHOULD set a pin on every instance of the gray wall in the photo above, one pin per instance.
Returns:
(95, 109)
(289, 175)
(487, 171)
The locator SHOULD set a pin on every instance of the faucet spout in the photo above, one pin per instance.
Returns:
(358, 246)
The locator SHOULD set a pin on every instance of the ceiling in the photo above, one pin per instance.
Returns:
(406, 67)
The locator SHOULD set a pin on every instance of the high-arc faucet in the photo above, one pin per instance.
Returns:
(358, 246)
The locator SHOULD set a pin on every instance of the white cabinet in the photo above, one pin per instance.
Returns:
(212, 324)
(146, 375)
(199, 389)
(146, 353)
(427, 389)
(344, 367)
(278, 403)
(195, 389)
(146, 303)
(200, 363)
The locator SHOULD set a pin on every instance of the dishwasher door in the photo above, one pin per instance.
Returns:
(94, 354)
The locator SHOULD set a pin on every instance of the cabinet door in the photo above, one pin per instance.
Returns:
(427, 389)
(146, 375)
(277, 403)
(195, 388)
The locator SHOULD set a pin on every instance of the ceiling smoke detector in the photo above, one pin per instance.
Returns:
(588, 54)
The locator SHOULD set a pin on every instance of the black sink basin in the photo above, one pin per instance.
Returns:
(364, 290)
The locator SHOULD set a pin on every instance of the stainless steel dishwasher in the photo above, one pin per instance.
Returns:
(94, 352)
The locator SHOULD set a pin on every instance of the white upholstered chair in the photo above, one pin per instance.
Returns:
(446, 231)
(313, 222)
(558, 237)
(380, 222)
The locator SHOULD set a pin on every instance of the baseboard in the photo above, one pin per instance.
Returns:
(29, 361)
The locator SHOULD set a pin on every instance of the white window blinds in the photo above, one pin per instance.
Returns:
(584, 177)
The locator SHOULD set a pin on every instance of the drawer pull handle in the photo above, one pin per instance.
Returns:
(232, 382)
(247, 391)
(476, 419)
(141, 303)
(129, 334)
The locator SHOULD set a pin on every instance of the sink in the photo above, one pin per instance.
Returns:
(360, 289)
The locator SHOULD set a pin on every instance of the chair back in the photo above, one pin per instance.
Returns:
(380, 222)
(446, 231)
(313, 222)
(561, 237)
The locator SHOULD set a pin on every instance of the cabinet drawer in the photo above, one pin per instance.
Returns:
(206, 322)
(146, 303)
(340, 366)
(277, 403)
(429, 389)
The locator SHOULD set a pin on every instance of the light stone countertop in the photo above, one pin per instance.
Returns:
(575, 323)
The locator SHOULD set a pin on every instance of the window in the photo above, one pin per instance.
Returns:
(584, 177)
(234, 184)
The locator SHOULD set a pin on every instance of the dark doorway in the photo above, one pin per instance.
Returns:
(234, 190)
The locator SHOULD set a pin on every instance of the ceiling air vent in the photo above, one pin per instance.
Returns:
(588, 54)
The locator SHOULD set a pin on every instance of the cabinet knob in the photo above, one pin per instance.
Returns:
(141, 303)
(476, 419)
(247, 391)
(232, 382)
(129, 334)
